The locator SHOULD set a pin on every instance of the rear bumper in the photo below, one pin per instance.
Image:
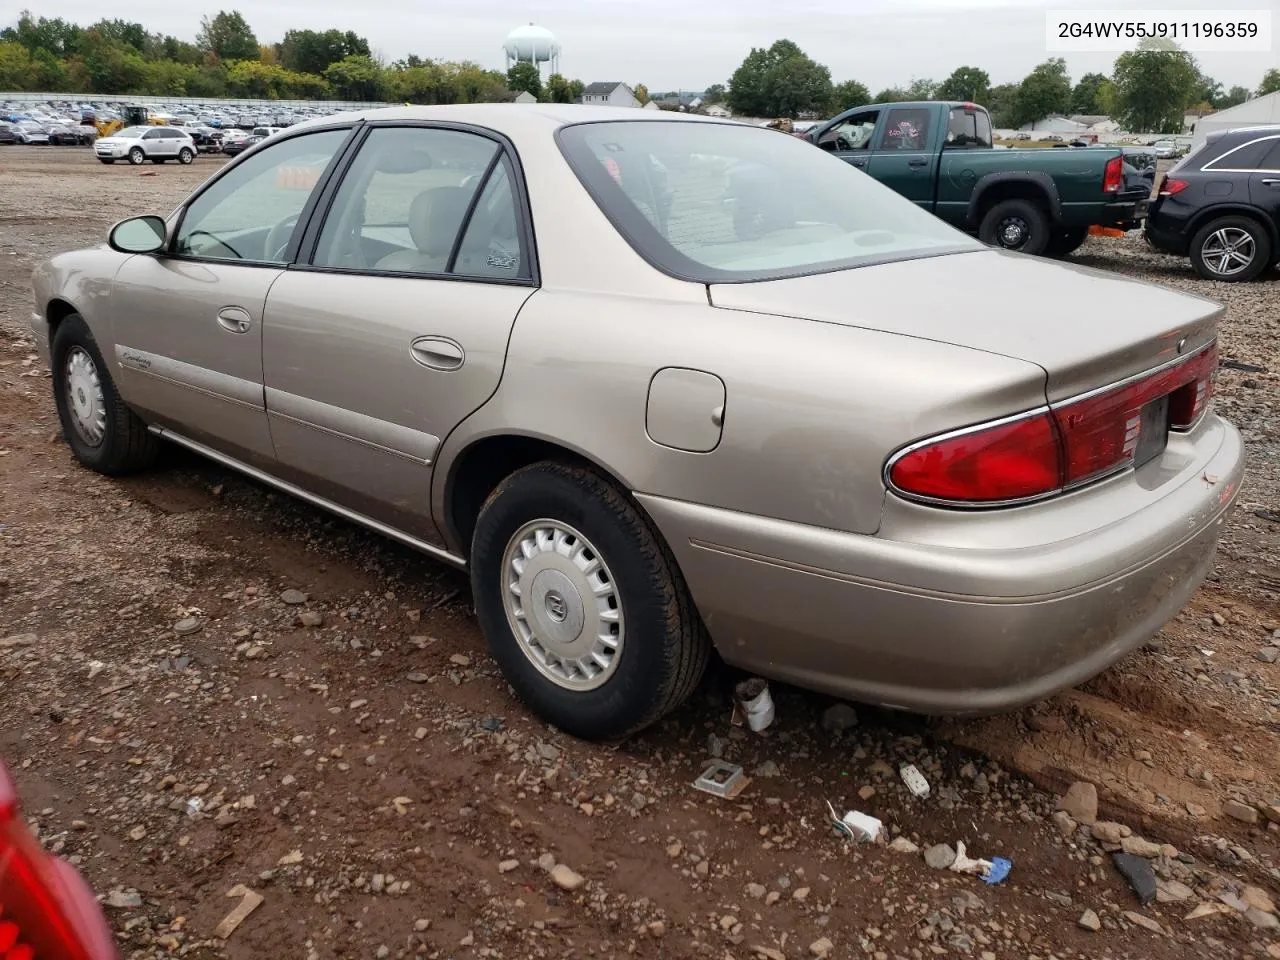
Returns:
(1125, 214)
(947, 629)
(1166, 240)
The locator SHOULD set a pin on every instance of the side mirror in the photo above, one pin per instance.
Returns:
(137, 235)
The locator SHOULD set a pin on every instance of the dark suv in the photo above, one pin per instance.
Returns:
(1221, 205)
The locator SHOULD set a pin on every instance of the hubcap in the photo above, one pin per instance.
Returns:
(562, 604)
(1013, 232)
(85, 402)
(1228, 251)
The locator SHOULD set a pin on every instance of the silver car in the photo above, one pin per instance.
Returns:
(137, 145)
(666, 384)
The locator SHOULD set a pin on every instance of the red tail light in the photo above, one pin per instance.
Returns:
(1047, 451)
(1170, 187)
(46, 911)
(1113, 176)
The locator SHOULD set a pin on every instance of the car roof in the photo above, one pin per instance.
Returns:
(512, 118)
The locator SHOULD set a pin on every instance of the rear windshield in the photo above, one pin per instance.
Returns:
(725, 202)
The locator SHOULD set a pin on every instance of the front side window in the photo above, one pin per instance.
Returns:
(906, 128)
(719, 203)
(851, 134)
(249, 214)
(406, 199)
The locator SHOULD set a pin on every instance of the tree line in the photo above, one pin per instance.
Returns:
(119, 58)
(1151, 89)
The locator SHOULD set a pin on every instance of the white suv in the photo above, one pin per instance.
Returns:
(140, 144)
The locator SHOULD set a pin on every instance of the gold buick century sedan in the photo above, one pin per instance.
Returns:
(667, 384)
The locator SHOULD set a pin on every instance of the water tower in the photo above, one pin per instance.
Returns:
(532, 44)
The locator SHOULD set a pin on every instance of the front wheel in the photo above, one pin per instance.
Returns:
(1017, 224)
(1231, 249)
(104, 434)
(186, 155)
(582, 604)
(137, 157)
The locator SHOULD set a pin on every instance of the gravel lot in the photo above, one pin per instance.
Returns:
(205, 685)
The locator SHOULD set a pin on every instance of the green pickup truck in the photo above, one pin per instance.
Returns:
(940, 154)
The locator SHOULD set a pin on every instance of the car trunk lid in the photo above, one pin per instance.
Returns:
(1085, 328)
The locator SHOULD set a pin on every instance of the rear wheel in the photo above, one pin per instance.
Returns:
(186, 155)
(1231, 249)
(582, 604)
(1063, 242)
(1017, 224)
(137, 157)
(104, 434)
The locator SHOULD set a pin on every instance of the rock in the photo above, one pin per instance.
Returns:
(1066, 825)
(903, 845)
(1268, 654)
(1258, 898)
(1081, 802)
(1195, 810)
(123, 899)
(467, 940)
(768, 770)
(417, 677)
(137, 833)
(1137, 870)
(548, 752)
(1219, 619)
(657, 928)
(769, 953)
(460, 660)
(506, 866)
(728, 922)
(866, 793)
(547, 862)
(756, 891)
(772, 897)
(422, 925)
(18, 640)
(1272, 813)
(1046, 722)
(1140, 847)
(821, 948)
(311, 618)
(1143, 921)
(674, 850)
(566, 879)
(378, 883)
(1207, 910)
(290, 859)
(1261, 919)
(1171, 891)
(800, 893)
(187, 626)
(839, 717)
(293, 597)
(940, 856)
(1104, 831)
(1089, 921)
(1240, 811)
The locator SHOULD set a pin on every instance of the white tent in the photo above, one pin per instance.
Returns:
(1252, 113)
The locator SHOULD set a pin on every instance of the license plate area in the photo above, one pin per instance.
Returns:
(1153, 431)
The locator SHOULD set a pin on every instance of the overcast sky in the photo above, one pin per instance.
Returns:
(670, 44)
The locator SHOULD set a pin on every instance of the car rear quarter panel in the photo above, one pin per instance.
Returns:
(812, 409)
(1074, 177)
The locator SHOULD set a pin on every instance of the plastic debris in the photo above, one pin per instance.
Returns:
(915, 780)
(755, 703)
(1000, 868)
(856, 825)
(722, 779)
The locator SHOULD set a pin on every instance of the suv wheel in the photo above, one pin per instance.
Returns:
(104, 434)
(137, 157)
(582, 604)
(1017, 224)
(1231, 249)
(186, 155)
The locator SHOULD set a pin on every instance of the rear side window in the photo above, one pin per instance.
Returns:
(1251, 155)
(907, 128)
(968, 128)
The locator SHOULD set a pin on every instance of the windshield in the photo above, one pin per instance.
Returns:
(131, 133)
(725, 202)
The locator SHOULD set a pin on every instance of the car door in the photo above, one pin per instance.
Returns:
(187, 323)
(849, 138)
(395, 326)
(1264, 185)
(154, 144)
(902, 158)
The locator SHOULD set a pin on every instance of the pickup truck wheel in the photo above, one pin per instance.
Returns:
(1231, 249)
(582, 604)
(1017, 224)
(1063, 242)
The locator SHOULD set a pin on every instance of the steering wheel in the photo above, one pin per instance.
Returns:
(218, 240)
(278, 238)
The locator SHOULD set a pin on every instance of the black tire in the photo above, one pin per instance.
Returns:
(1021, 225)
(125, 445)
(186, 155)
(137, 157)
(1208, 240)
(664, 648)
(1063, 242)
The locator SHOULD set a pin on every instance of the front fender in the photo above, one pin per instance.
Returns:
(76, 282)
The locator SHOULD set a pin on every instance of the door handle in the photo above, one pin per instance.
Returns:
(1271, 181)
(438, 353)
(917, 162)
(234, 319)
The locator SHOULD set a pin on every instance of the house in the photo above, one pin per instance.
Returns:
(1260, 111)
(1095, 123)
(1061, 125)
(652, 105)
(610, 95)
(524, 96)
(718, 110)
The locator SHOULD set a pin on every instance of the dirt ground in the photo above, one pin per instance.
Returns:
(176, 730)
